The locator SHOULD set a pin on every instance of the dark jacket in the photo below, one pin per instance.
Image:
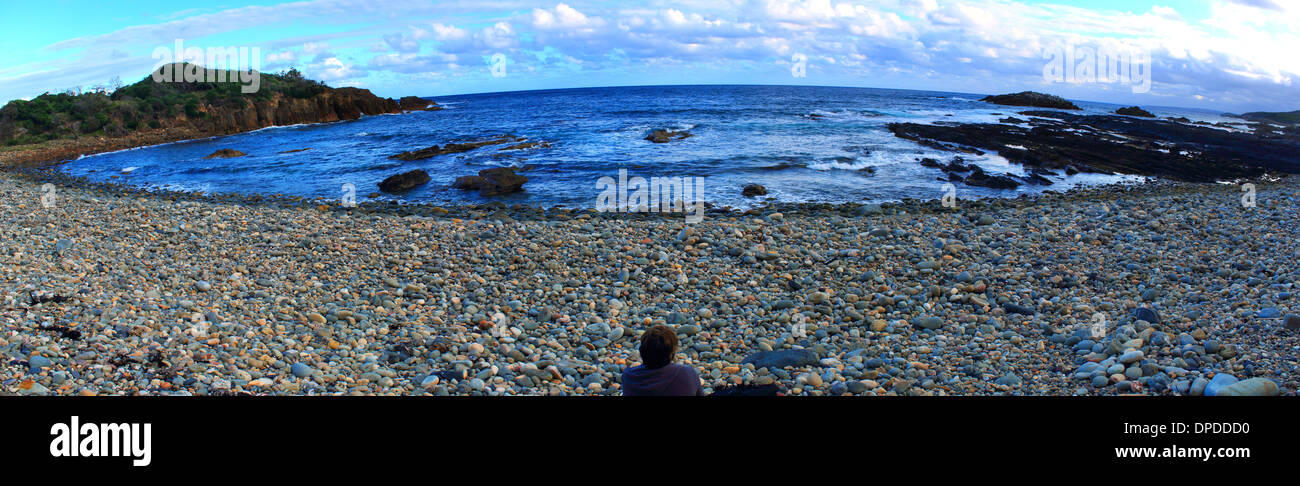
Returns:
(670, 380)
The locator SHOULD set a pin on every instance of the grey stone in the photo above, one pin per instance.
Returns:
(1254, 387)
(929, 322)
(1146, 314)
(1218, 383)
(782, 358)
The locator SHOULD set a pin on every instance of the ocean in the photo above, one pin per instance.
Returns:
(804, 144)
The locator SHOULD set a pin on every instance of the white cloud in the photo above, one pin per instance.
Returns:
(314, 48)
(562, 17)
(401, 43)
(332, 69)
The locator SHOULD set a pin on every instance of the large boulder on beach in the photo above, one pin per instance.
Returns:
(1134, 111)
(492, 182)
(1254, 387)
(225, 154)
(782, 358)
(1031, 98)
(404, 181)
(665, 136)
(1218, 383)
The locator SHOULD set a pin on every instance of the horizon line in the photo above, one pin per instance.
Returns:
(482, 93)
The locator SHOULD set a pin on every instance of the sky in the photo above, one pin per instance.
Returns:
(1223, 55)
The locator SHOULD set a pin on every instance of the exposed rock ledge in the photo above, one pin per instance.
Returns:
(1118, 144)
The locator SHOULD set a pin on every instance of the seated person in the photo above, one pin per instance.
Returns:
(658, 375)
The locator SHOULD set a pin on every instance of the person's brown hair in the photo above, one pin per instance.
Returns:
(658, 345)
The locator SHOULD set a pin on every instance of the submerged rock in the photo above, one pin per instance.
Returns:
(225, 154)
(451, 148)
(665, 136)
(526, 145)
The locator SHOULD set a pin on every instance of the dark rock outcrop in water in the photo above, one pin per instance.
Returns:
(751, 190)
(1118, 144)
(452, 148)
(975, 176)
(1134, 111)
(404, 181)
(980, 178)
(1031, 98)
(665, 136)
(526, 146)
(416, 103)
(225, 154)
(492, 182)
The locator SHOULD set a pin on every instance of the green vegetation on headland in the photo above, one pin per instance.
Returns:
(147, 103)
(1280, 117)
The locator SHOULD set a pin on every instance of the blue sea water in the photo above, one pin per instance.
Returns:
(742, 134)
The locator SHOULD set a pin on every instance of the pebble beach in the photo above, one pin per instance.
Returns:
(1156, 288)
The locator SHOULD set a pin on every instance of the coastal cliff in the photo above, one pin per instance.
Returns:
(333, 104)
(57, 127)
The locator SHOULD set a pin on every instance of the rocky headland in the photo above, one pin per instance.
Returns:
(30, 137)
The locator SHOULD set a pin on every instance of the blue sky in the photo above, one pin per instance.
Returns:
(1231, 55)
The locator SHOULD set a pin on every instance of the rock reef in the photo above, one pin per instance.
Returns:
(1031, 98)
(1111, 144)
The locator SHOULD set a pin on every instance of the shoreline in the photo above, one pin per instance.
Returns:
(51, 174)
(183, 293)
